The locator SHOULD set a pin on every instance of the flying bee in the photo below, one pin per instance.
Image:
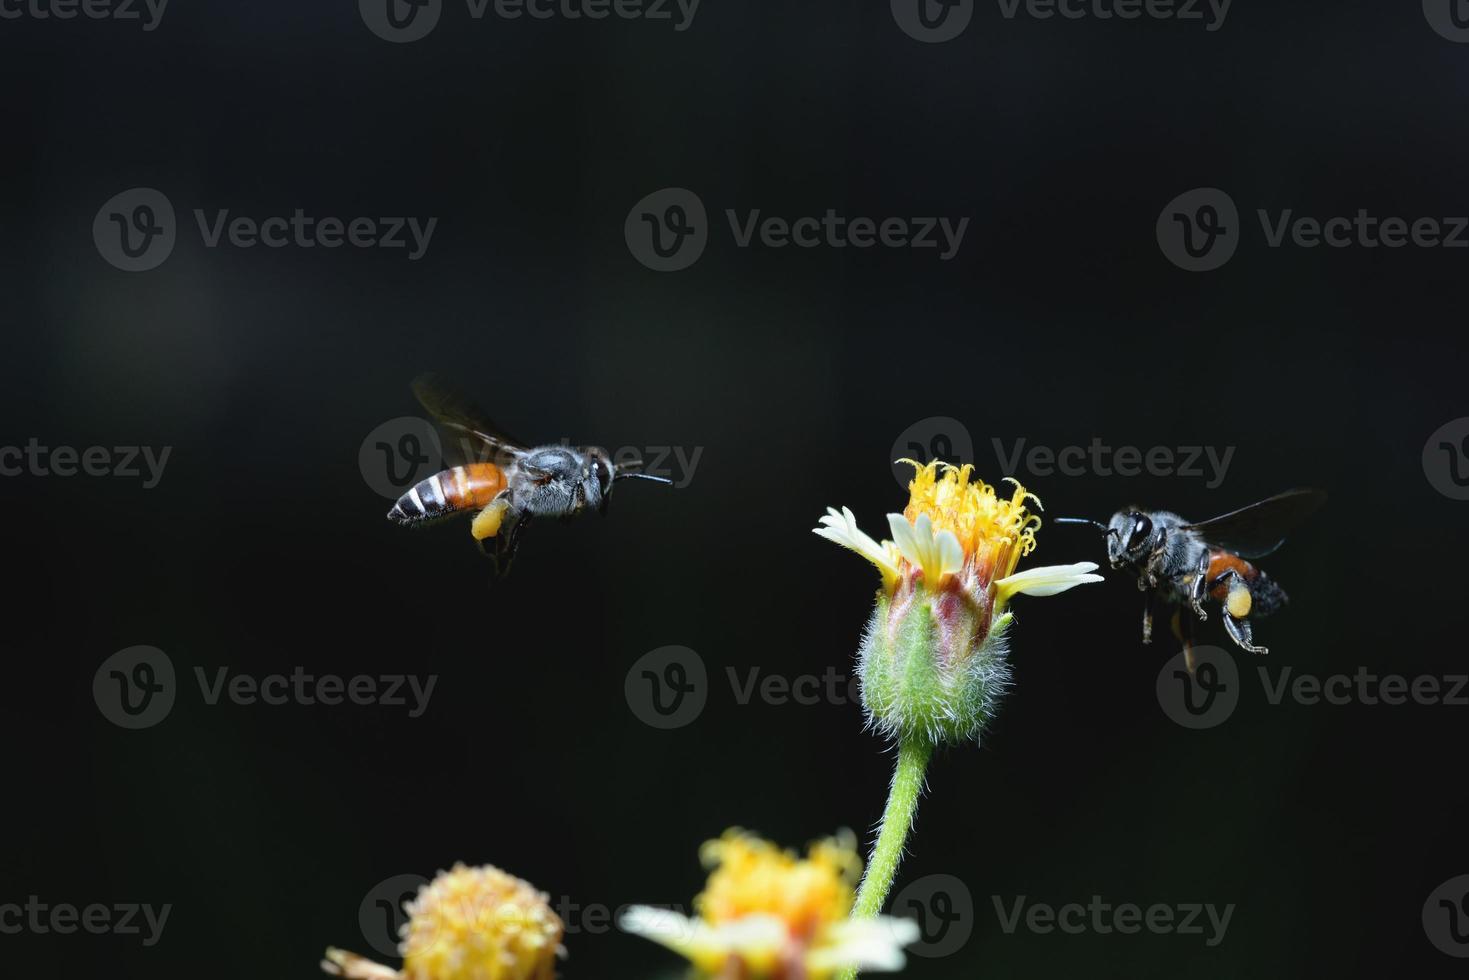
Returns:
(514, 485)
(1186, 562)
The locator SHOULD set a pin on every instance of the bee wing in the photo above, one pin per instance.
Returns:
(1257, 530)
(453, 410)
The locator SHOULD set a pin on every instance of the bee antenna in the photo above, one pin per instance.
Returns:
(1086, 520)
(630, 475)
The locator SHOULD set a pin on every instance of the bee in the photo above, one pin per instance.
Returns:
(506, 483)
(1184, 562)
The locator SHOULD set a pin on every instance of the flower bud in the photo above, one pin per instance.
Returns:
(930, 665)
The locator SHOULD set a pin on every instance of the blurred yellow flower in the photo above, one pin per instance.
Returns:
(766, 913)
(468, 924)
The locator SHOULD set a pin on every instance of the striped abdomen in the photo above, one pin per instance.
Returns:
(453, 491)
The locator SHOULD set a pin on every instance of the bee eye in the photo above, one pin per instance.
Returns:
(1141, 528)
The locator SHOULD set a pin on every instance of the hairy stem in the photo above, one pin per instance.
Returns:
(897, 820)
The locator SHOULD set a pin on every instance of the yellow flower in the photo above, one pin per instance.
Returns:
(468, 924)
(766, 913)
(934, 659)
(956, 531)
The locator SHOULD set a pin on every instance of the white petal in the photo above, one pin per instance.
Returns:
(951, 555)
(937, 554)
(1048, 579)
(870, 944)
(664, 926)
(842, 529)
(340, 963)
(752, 933)
(904, 538)
(756, 936)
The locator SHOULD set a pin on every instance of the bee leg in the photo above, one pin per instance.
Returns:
(1237, 604)
(1183, 628)
(1239, 631)
(1147, 619)
(501, 549)
(1200, 587)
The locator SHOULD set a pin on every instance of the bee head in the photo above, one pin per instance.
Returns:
(598, 476)
(1129, 538)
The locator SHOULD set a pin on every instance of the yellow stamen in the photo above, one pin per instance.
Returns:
(994, 533)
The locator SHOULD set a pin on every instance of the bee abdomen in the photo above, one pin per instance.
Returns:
(1267, 595)
(450, 492)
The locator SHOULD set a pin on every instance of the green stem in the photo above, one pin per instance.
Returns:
(897, 820)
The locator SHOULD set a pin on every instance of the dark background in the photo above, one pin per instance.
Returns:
(264, 548)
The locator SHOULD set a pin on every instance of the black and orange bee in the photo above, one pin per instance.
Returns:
(1186, 562)
(513, 485)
